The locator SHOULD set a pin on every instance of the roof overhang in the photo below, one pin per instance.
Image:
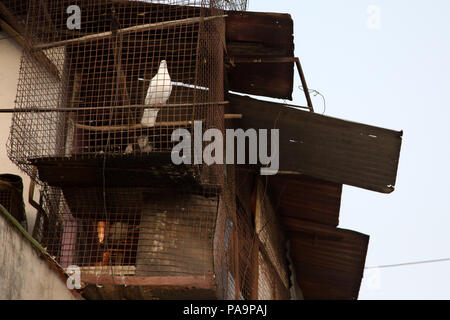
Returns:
(323, 147)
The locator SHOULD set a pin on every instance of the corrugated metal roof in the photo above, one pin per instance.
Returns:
(307, 198)
(324, 147)
(329, 262)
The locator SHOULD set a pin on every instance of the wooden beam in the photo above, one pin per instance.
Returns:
(141, 126)
(199, 282)
(169, 105)
(144, 27)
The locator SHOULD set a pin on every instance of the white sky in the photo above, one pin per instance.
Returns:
(396, 77)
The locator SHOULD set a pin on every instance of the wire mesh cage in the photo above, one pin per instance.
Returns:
(142, 233)
(117, 88)
(136, 232)
(121, 82)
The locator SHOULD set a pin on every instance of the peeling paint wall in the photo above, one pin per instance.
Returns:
(24, 274)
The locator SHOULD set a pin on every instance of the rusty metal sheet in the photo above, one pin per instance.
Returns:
(324, 147)
(255, 35)
(307, 198)
(329, 262)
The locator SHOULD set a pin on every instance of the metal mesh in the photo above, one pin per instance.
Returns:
(121, 84)
(139, 232)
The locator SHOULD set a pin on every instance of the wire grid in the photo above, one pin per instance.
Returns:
(249, 259)
(106, 80)
(169, 232)
(144, 232)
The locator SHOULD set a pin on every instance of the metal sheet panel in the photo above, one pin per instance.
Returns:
(329, 262)
(307, 198)
(324, 147)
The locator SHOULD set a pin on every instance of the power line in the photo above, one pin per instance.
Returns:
(408, 263)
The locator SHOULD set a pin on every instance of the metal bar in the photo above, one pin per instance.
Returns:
(143, 106)
(304, 85)
(280, 60)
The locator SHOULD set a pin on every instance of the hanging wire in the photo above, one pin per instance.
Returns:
(315, 94)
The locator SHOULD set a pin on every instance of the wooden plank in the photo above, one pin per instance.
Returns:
(270, 29)
(327, 148)
(138, 288)
(138, 28)
(200, 282)
(260, 35)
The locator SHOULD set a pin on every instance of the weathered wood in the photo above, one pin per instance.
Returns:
(157, 124)
(139, 288)
(154, 169)
(139, 28)
(268, 230)
(200, 282)
(326, 148)
(253, 49)
(260, 35)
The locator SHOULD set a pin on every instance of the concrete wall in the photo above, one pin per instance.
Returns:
(10, 54)
(24, 274)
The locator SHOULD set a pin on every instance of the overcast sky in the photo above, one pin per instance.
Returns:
(387, 63)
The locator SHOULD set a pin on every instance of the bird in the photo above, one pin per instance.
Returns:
(144, 144)
(129, 149)
(158, 92)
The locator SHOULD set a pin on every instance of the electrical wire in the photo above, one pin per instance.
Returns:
(315, 94)
(408, 263)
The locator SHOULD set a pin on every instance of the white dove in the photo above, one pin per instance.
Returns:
(158, 92)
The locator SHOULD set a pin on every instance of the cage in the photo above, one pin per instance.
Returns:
(120, 82)
(94, 129)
